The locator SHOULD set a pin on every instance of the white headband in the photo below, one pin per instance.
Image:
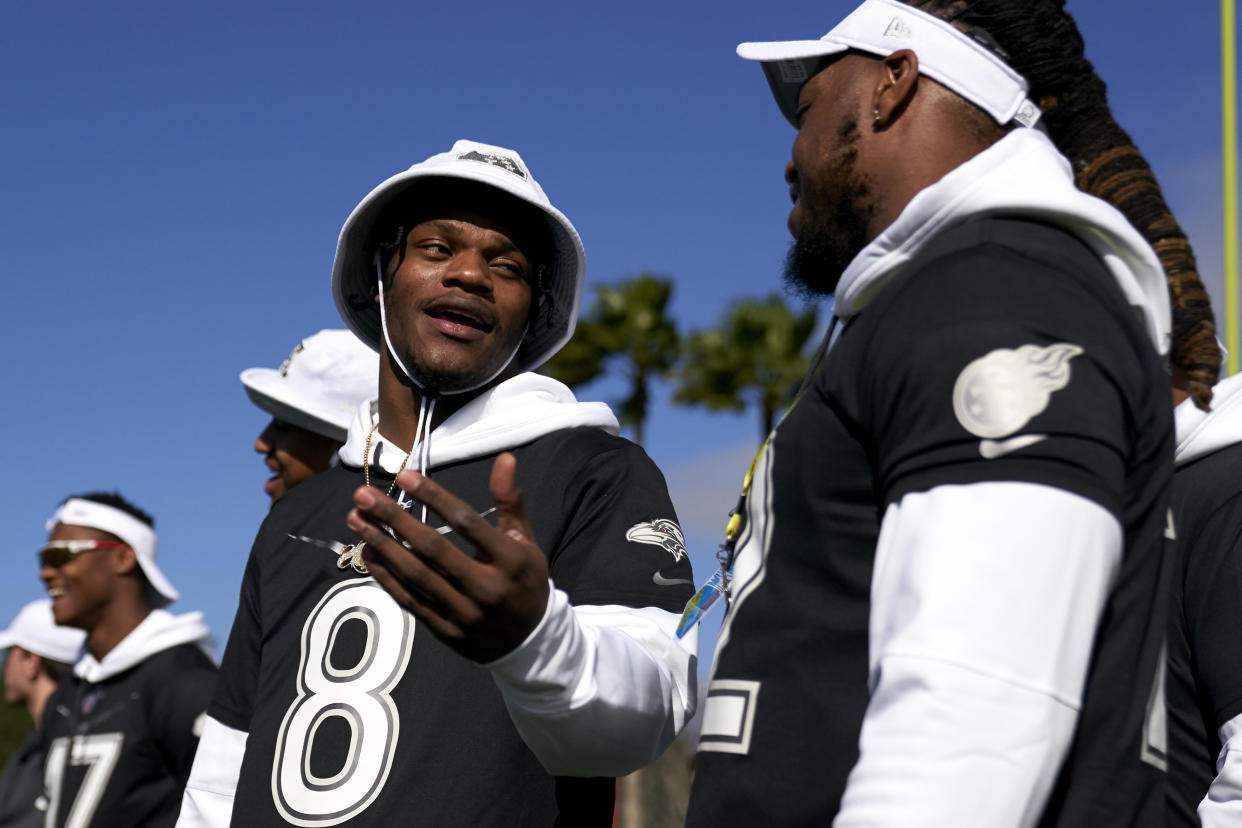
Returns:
(139, 536)
(881, 27)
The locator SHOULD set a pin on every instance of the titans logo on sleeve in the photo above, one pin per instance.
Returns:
(998, 394)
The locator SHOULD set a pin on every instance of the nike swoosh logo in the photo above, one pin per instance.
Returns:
(446, 529)
(991, 449)
(660, 580)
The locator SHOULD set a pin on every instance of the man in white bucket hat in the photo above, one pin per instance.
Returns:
(38, 654)
(947, 569)
(121, 730)
(536, 660)
(312, 397)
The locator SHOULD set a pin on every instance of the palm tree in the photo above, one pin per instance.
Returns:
(756, 355)
(626, 325)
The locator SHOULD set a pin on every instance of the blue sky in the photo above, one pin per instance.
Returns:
(175, 177)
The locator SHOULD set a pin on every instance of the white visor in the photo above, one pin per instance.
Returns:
(946, 54)
(139, 536)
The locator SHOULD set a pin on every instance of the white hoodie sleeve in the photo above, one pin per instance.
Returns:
(208, 798)
(599, 690)
(1222, 807)
(985, 602)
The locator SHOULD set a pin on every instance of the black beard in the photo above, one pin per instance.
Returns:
(833, 230)
(813, 266)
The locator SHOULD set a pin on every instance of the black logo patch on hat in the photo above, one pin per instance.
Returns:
(284, 366)
(502, 161)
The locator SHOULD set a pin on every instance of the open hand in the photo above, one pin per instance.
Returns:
(483, 607)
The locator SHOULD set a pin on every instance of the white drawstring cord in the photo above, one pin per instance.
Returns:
(424, 450)
(392, 352)
(422, 444)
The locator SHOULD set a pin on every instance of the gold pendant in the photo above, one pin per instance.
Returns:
(352, 556)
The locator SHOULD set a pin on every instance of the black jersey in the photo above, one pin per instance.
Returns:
(22, 803)
(885, 414)
(119, 750)
(1205, 660)
(356, 714)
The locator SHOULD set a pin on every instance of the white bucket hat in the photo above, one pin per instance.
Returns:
(354, 276)
(321, 384)
(34, 630)
(139, 536)
(946, 54)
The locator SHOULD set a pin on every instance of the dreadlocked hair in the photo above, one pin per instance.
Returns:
(1039, 39)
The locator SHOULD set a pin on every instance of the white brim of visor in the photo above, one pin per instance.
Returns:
(139, 536)
(881, 27)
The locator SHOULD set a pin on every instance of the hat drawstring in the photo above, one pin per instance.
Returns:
(424, 448)
(422, 444)
(379, 275)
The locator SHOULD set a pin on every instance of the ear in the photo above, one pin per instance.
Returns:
(124, 560)
(898, 82)
(34, 666)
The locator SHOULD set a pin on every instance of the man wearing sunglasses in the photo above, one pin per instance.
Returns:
(121, 731)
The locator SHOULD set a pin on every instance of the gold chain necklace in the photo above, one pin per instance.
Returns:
(366, 462)
(352, 555)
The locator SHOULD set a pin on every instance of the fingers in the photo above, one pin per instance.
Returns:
(426, 561)
(483, 606)
(423, 610)
(428, 593)
(507, 496)
(488, 540)
(503, 482)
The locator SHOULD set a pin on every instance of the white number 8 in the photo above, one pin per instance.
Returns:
(358, 694)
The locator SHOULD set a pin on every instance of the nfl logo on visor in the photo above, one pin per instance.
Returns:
(898, 28)
(503, 161)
